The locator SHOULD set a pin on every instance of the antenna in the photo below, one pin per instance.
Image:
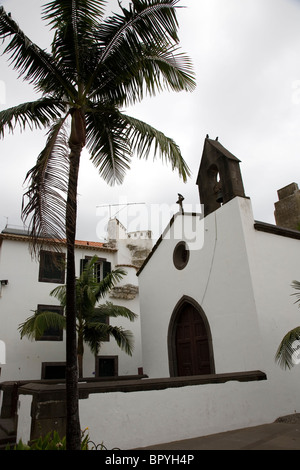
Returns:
(124, 204)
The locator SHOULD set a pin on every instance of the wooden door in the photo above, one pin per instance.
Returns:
(192, 346)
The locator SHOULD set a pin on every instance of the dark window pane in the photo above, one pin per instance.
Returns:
(51, 334)
(52, 267)
(106, 268)
(107, 366)
(53, 371)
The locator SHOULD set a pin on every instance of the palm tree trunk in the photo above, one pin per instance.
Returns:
(80, 350)
(73, 432)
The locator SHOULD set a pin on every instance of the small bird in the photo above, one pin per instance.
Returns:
(180, 199)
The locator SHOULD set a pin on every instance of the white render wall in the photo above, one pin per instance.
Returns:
(140, 419)
(22, 295)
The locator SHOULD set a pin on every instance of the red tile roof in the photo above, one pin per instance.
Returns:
(78, 243)
(87, 243)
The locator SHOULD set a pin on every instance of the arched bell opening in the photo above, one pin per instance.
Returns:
(215, 183)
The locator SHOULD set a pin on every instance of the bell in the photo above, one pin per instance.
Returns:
(219, 197)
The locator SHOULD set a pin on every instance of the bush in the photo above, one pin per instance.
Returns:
(52, 441)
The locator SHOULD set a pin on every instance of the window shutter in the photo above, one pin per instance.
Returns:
(106, 268)
(82, 265)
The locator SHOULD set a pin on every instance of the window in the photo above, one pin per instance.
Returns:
(51, 334)
(181, 255)
(101, 267)
(53, 370)
(106, 366)
(52, 267)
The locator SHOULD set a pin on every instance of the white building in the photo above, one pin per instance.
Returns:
(26, 283)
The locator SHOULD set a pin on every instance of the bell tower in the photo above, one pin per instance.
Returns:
(219, 179)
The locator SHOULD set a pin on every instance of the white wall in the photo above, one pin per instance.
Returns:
(276, 266)
(140, 419)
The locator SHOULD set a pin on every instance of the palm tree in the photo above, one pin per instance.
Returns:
(288, 352)
(92, 327)
(97, 66)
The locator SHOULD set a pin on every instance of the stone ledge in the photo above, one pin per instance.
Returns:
(276, 230)
(85, 389)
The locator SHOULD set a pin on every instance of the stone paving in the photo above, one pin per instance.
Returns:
(283, 434)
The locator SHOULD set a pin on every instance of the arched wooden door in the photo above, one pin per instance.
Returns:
(191, 342)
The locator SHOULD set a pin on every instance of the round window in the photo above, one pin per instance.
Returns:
(181, 255)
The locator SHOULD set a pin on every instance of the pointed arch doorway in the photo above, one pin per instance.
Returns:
(189, 341)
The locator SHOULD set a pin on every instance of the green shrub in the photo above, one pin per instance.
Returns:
(52, 441)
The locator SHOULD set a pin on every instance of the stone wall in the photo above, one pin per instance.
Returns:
(287, 209)
(127, 292)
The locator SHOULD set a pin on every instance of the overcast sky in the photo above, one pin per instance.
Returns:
(246, 55)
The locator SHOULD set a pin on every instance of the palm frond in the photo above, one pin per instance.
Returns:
(136, 70)
(147, 21)
(88, 289)
(74, 22)
(123, 338)
(296, 285)
(35, 326)
(96, 333)
(35, 114)
(112, 139)
(48, 181)
(108, 282)
(33, 63)
(288, 352)
(108, 309)
(175, 68)
(156, 15)
(59, 293)
(108, 144)
(86, 13)
(144, 138)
